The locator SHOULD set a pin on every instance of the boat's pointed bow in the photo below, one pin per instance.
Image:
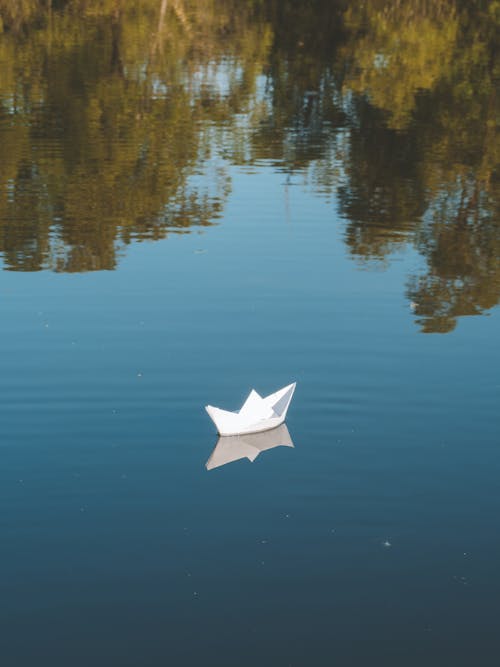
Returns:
(283, 400)
(226, 422)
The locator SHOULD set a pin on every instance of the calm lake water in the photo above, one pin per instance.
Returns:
(198, 198)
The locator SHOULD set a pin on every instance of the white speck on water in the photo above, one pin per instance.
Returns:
(386, 544)
(139, 375)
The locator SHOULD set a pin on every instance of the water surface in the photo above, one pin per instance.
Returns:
(198, 199)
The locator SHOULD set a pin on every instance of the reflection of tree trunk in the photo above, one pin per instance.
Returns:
(156, 41)
(116, 31)
(468, 204)
(161, 20)
(49, 23)
(181, 15)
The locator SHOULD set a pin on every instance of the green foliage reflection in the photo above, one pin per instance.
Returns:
(103, 122)
(111, 110)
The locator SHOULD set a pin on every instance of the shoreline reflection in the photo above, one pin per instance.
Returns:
(123, 122)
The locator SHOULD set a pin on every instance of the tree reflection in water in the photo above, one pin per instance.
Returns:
(118, 121)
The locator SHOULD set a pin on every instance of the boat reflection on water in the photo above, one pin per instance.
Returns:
(231, 448)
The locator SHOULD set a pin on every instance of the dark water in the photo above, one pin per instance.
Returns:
(200, 198)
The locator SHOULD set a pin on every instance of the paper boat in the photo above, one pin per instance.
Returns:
(231, 448)
(257, 413)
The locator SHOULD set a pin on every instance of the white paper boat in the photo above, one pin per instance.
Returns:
(231, 448)
(257, 413)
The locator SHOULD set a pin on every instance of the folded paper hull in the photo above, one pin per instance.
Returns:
(257, 414)
(257, 427)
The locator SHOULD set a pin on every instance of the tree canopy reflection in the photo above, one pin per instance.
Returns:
(111, 111)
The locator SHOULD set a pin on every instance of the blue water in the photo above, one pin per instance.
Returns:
(373, 541)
